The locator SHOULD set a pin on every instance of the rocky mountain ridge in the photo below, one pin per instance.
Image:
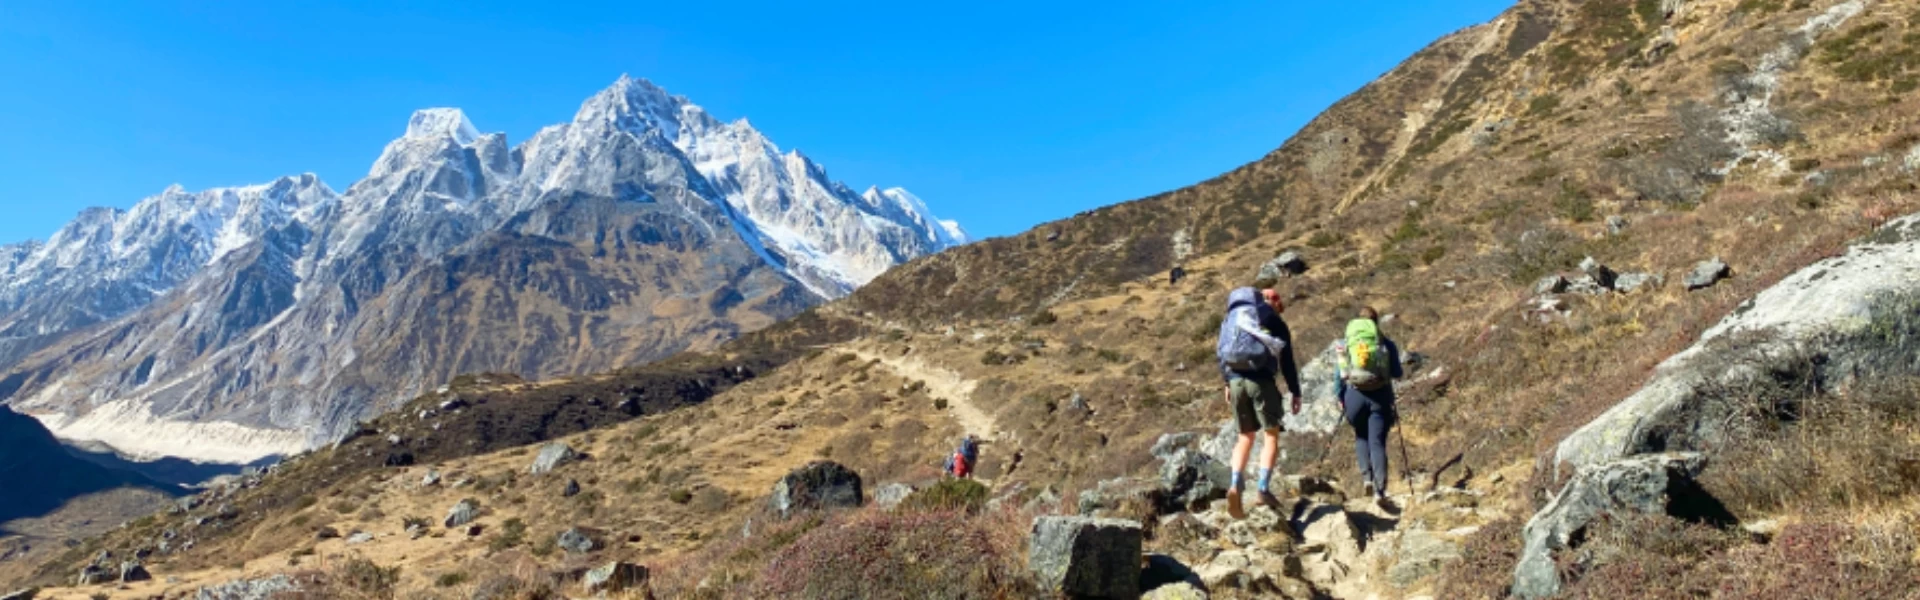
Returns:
(235, 323)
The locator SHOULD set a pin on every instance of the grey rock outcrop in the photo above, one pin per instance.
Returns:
(1194, 479)
(1420, 554)
(1707, 273)
(1830, 307)
(1551, 284)
(1601, 275)
(92, 575)
(1642, 484)
(822, 485)
(252, 589)
(1170, 443)
(26, 594)
(551, 457)
(615, 577)
(890, 495)
(1085, 557)
(462, 513)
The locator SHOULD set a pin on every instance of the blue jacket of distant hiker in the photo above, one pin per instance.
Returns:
(1246, 313)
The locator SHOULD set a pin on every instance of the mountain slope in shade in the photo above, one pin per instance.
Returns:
(44, 475)
(612, 239)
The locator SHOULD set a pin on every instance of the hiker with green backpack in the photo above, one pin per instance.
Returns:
(1368, 364)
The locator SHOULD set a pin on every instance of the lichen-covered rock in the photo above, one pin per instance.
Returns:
(891, 495)
(1086, 557)
(1706, 274)
(254, 589)
(1641, 484)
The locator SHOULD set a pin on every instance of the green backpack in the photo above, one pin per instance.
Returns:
(1364, 364)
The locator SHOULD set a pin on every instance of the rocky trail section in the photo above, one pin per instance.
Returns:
(944, 384)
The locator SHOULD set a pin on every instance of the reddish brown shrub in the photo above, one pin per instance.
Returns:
(900, 555)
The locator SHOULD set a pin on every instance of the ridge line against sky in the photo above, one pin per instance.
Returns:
(1001, 117)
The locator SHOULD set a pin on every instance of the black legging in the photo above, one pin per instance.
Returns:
(1371, 415)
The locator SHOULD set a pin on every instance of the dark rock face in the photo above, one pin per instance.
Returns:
(821, 485)
(1086, 558)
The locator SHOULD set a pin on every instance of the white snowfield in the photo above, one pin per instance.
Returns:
(438, 186)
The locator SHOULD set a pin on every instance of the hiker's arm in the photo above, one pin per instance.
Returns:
(1393, 354)
(1246, 322)
(1290, 371)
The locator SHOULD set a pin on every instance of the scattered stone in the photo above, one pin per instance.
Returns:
(890, 495)
(93, 575)
(1707, 273)
(578, 541)
(399, 459)
(1079, 403)
(453, 405)
(615, 577)
(1631, 282)
(462, 513)
(133, 571)
(821, 485)
(393, 439)
(1639, 484)
(26, 594)
(256, 589)
(1287, 264)
(552, 456)
(326, 533)
(1551, 284)
(359, 537)
(431, 479)
(1084, 557)
(1186, 537)
(1119, 493)
(474, 530)
(1602, 276)
(415, 532)
(1177, 274)
(572, 489)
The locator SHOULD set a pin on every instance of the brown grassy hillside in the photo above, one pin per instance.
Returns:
(1751, 130)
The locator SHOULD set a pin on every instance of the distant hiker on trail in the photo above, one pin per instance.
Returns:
(1363, 378)
(1251, 355)
(960, 464)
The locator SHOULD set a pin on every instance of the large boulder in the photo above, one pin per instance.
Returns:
(551, 457)
(462, 513)
(1641, 484)
(1123, 494)
(821, 485)
(1854, 313)
(615, 577)
(1085, 557)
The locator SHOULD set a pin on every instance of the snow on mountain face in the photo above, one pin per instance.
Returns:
(832, 238)
(114, 261)
(248, 321)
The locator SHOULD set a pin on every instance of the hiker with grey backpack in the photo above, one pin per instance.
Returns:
(1252, 355)
(1363, 379)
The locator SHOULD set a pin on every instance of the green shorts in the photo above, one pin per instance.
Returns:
(1256, 404)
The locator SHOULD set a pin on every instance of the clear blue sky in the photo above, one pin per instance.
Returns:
(1001, 115)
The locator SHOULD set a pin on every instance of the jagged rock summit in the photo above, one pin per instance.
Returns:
(236, 323)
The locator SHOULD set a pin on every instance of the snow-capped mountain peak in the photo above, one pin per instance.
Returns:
(442, 122)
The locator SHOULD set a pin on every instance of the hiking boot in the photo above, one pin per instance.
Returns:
(1234, 509)
(1370, 490)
